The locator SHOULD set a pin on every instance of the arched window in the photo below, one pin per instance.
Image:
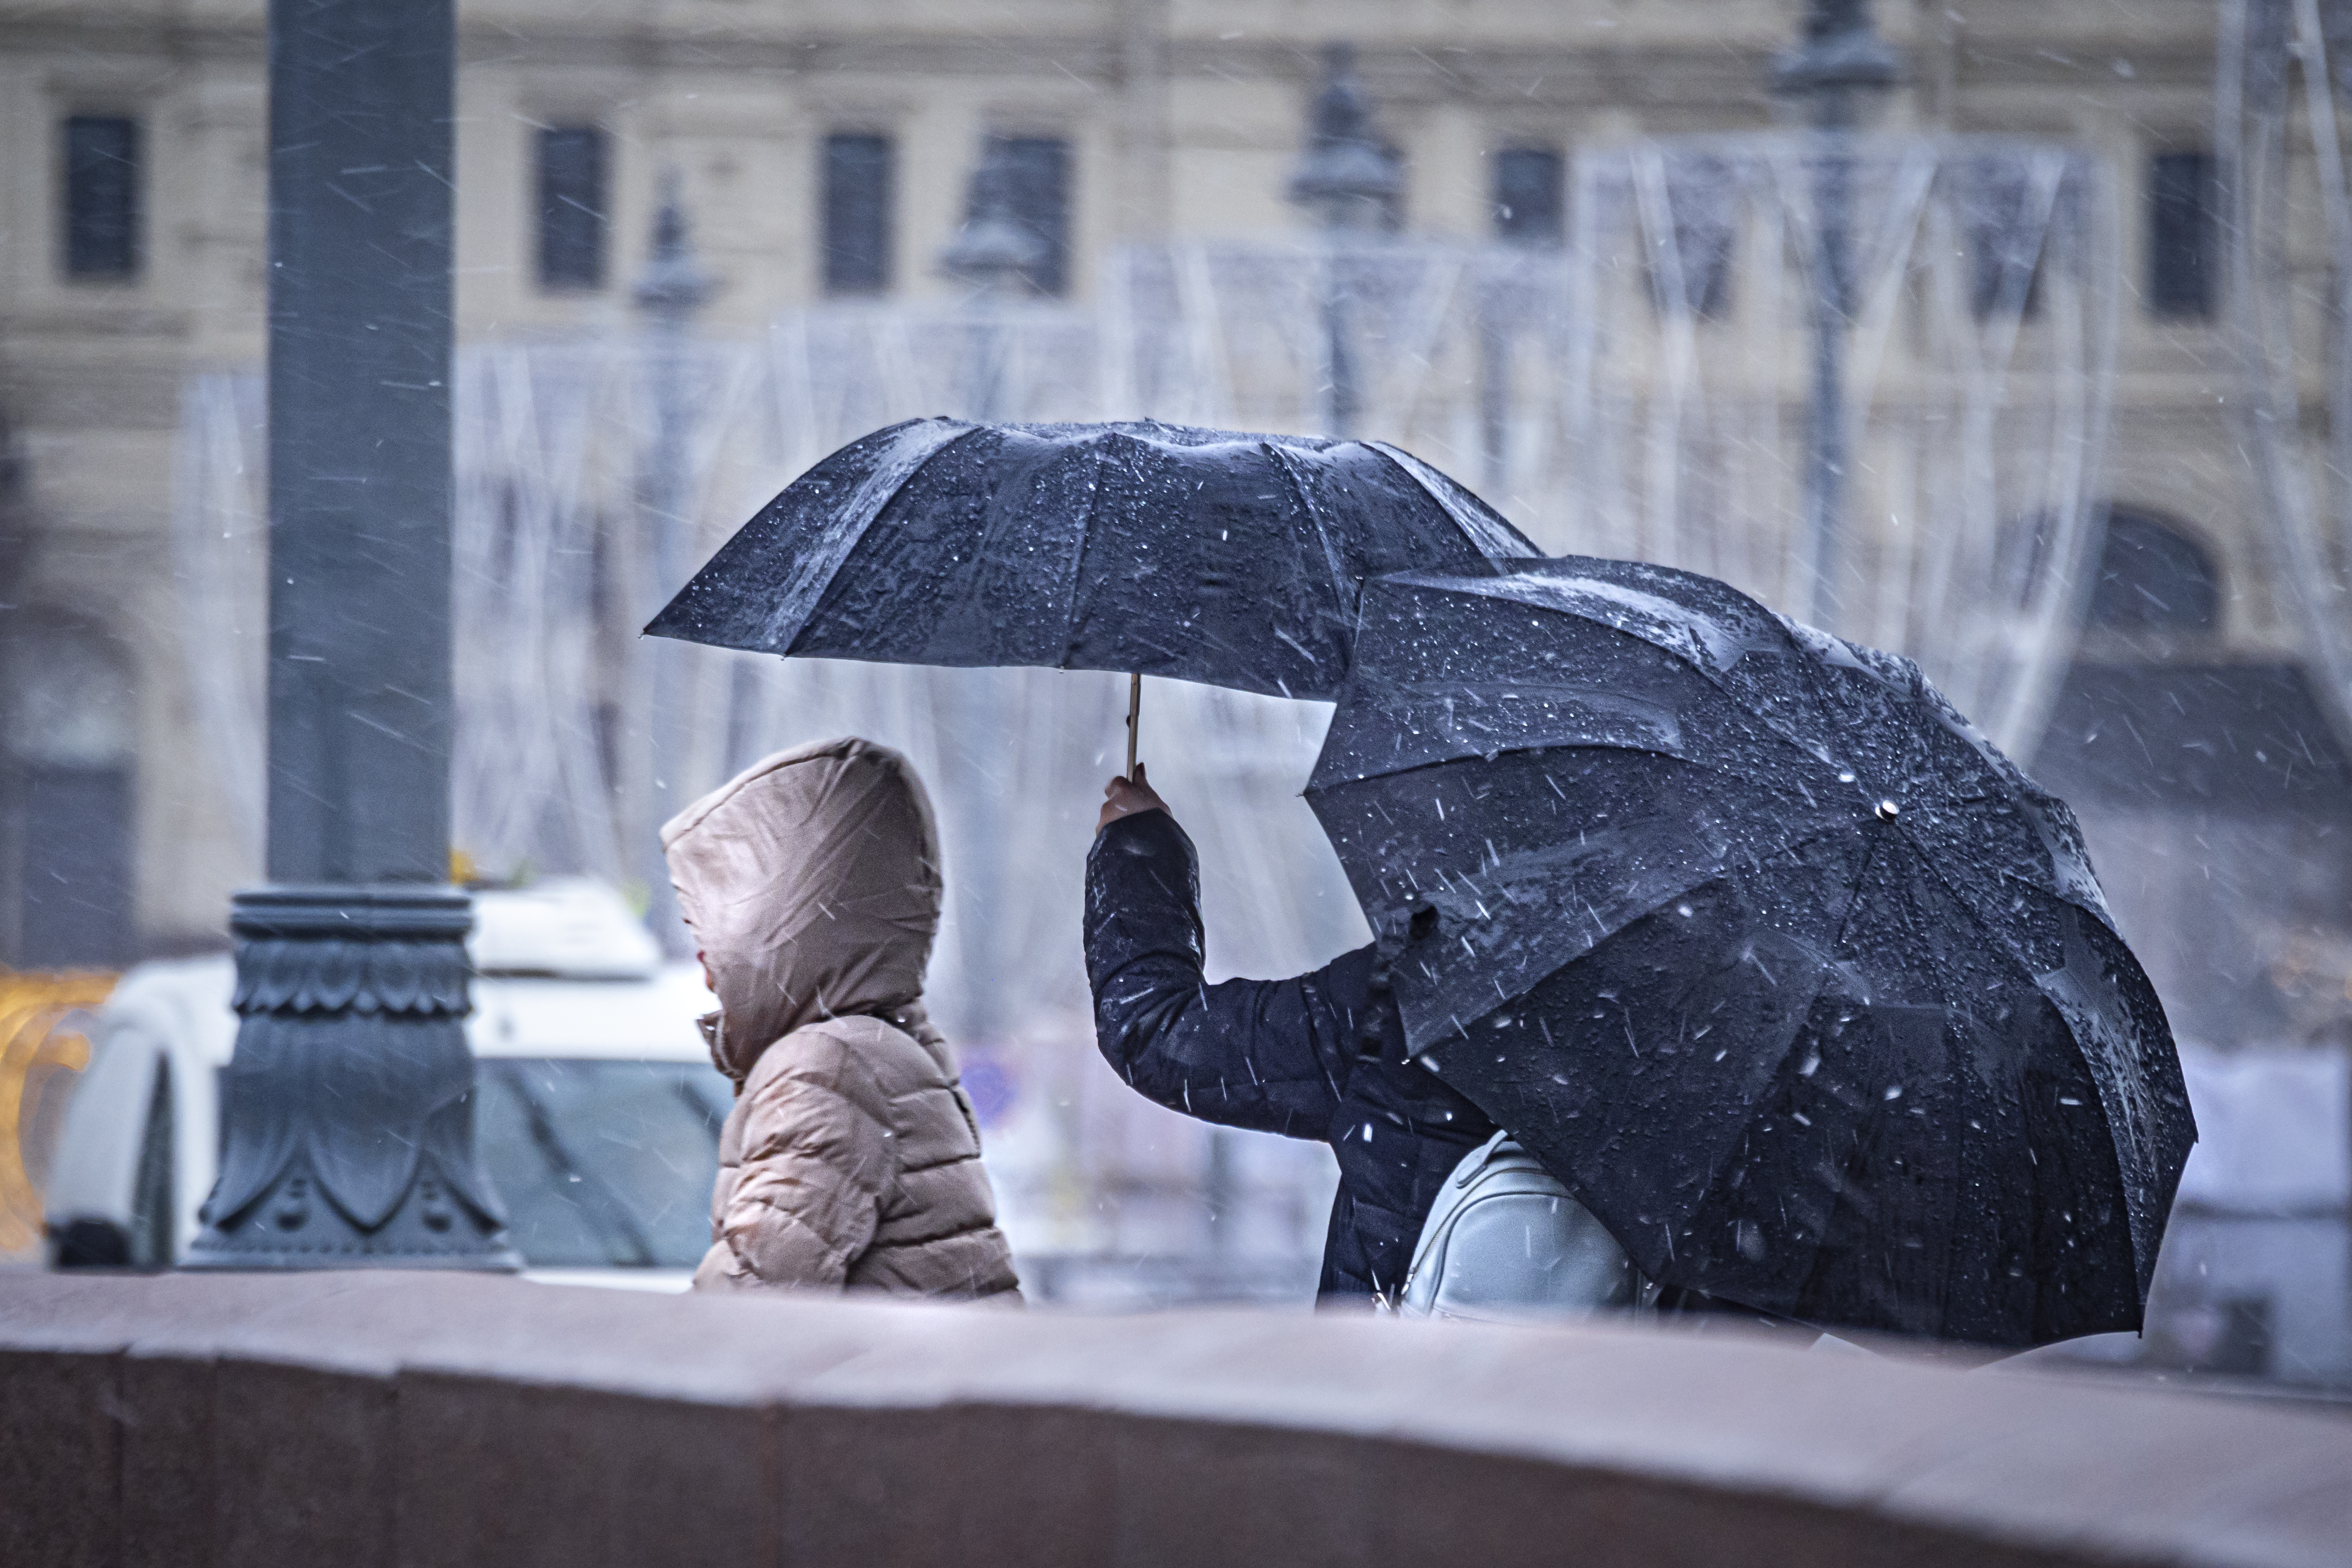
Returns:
(65, 796)
(2154, 578)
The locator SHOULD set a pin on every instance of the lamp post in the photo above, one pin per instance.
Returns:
(669, 293)
(1831, 80)
(348, 1106)
(993, 253)
(1346, 180)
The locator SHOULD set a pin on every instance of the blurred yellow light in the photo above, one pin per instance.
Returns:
(34, 1045)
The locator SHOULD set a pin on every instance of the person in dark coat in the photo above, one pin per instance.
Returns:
(1317, 1055)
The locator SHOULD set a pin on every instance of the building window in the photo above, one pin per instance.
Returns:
(101, 198)
(1527, 195)
(67, 734)
(2154, 578)
(571, 222)
(857, 196)
(1038, 177)
(2180, 232)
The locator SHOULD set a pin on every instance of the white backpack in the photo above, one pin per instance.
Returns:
(1507, 1241)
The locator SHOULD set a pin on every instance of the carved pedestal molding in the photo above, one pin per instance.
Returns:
(347, 1110)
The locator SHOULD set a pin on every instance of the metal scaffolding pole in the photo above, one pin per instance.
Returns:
(348, 1109)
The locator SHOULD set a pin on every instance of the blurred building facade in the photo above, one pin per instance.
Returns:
(826, 151)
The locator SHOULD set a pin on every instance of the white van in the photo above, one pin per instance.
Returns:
(596, 1109)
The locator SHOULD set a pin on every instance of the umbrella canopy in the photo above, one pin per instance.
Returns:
(1806, 990)
(1155, 549)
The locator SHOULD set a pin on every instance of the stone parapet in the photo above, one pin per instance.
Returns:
(385, 1419)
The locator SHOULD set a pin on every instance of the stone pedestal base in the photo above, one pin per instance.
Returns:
(348, 1109)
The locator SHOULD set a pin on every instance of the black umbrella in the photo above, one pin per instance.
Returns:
(1155, 549)
(1806, 991)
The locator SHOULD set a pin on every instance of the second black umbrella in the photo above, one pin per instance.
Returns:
(1804, 988)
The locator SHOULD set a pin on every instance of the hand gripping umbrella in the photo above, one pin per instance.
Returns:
(1806, 990)
(1152, 548)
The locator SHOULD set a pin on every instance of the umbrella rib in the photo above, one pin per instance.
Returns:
(1994, 945)
(2033, 979)
(1720, 769)
(1993, 937)
(1713, 677)
(914, 447)
(1771, 724)
(1488, 535)
(1713, 871)
(1341, 584)
(1079, 557)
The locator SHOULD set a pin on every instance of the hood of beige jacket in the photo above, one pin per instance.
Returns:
(812, 882)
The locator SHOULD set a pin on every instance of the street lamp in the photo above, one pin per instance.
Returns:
(1348, 183)
(347, 1112)
(994, 254)
(669, 293)
(673, 288)
(1346, 177)
(1831, 80)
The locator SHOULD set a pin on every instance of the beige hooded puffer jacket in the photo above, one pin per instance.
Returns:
(812, 881)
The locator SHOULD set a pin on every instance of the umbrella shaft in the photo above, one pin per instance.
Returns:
(1134, 719)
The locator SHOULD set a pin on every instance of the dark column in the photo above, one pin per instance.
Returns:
(348, 1109)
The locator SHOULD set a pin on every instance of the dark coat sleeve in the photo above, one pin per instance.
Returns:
(1273, 1055)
